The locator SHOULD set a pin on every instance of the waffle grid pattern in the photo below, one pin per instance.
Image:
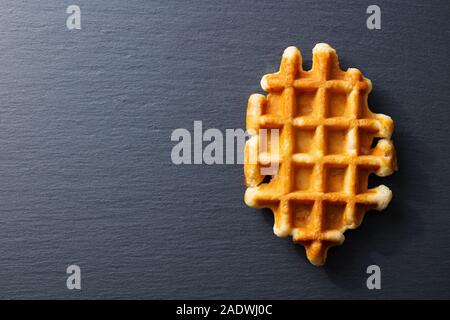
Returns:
(325, 151)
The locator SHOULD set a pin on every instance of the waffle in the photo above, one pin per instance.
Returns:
(329, 142)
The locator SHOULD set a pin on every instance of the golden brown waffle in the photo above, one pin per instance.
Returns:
(325, 153)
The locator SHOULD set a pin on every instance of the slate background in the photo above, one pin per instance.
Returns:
(85, 171)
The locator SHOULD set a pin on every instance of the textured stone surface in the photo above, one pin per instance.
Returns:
(86, 176)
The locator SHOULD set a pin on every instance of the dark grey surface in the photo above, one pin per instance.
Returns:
(86, 176)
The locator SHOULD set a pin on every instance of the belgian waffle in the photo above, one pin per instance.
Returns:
(324, 153)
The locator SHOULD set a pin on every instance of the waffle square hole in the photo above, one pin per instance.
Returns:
(301, 213)
(364, 182)
(363, 105)
(334, 181)
(366, 138)
(304, 140)
(303, 177)
(333, 215)
(336, 140)
(305, 103)
(274, 105)
(337, 104)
